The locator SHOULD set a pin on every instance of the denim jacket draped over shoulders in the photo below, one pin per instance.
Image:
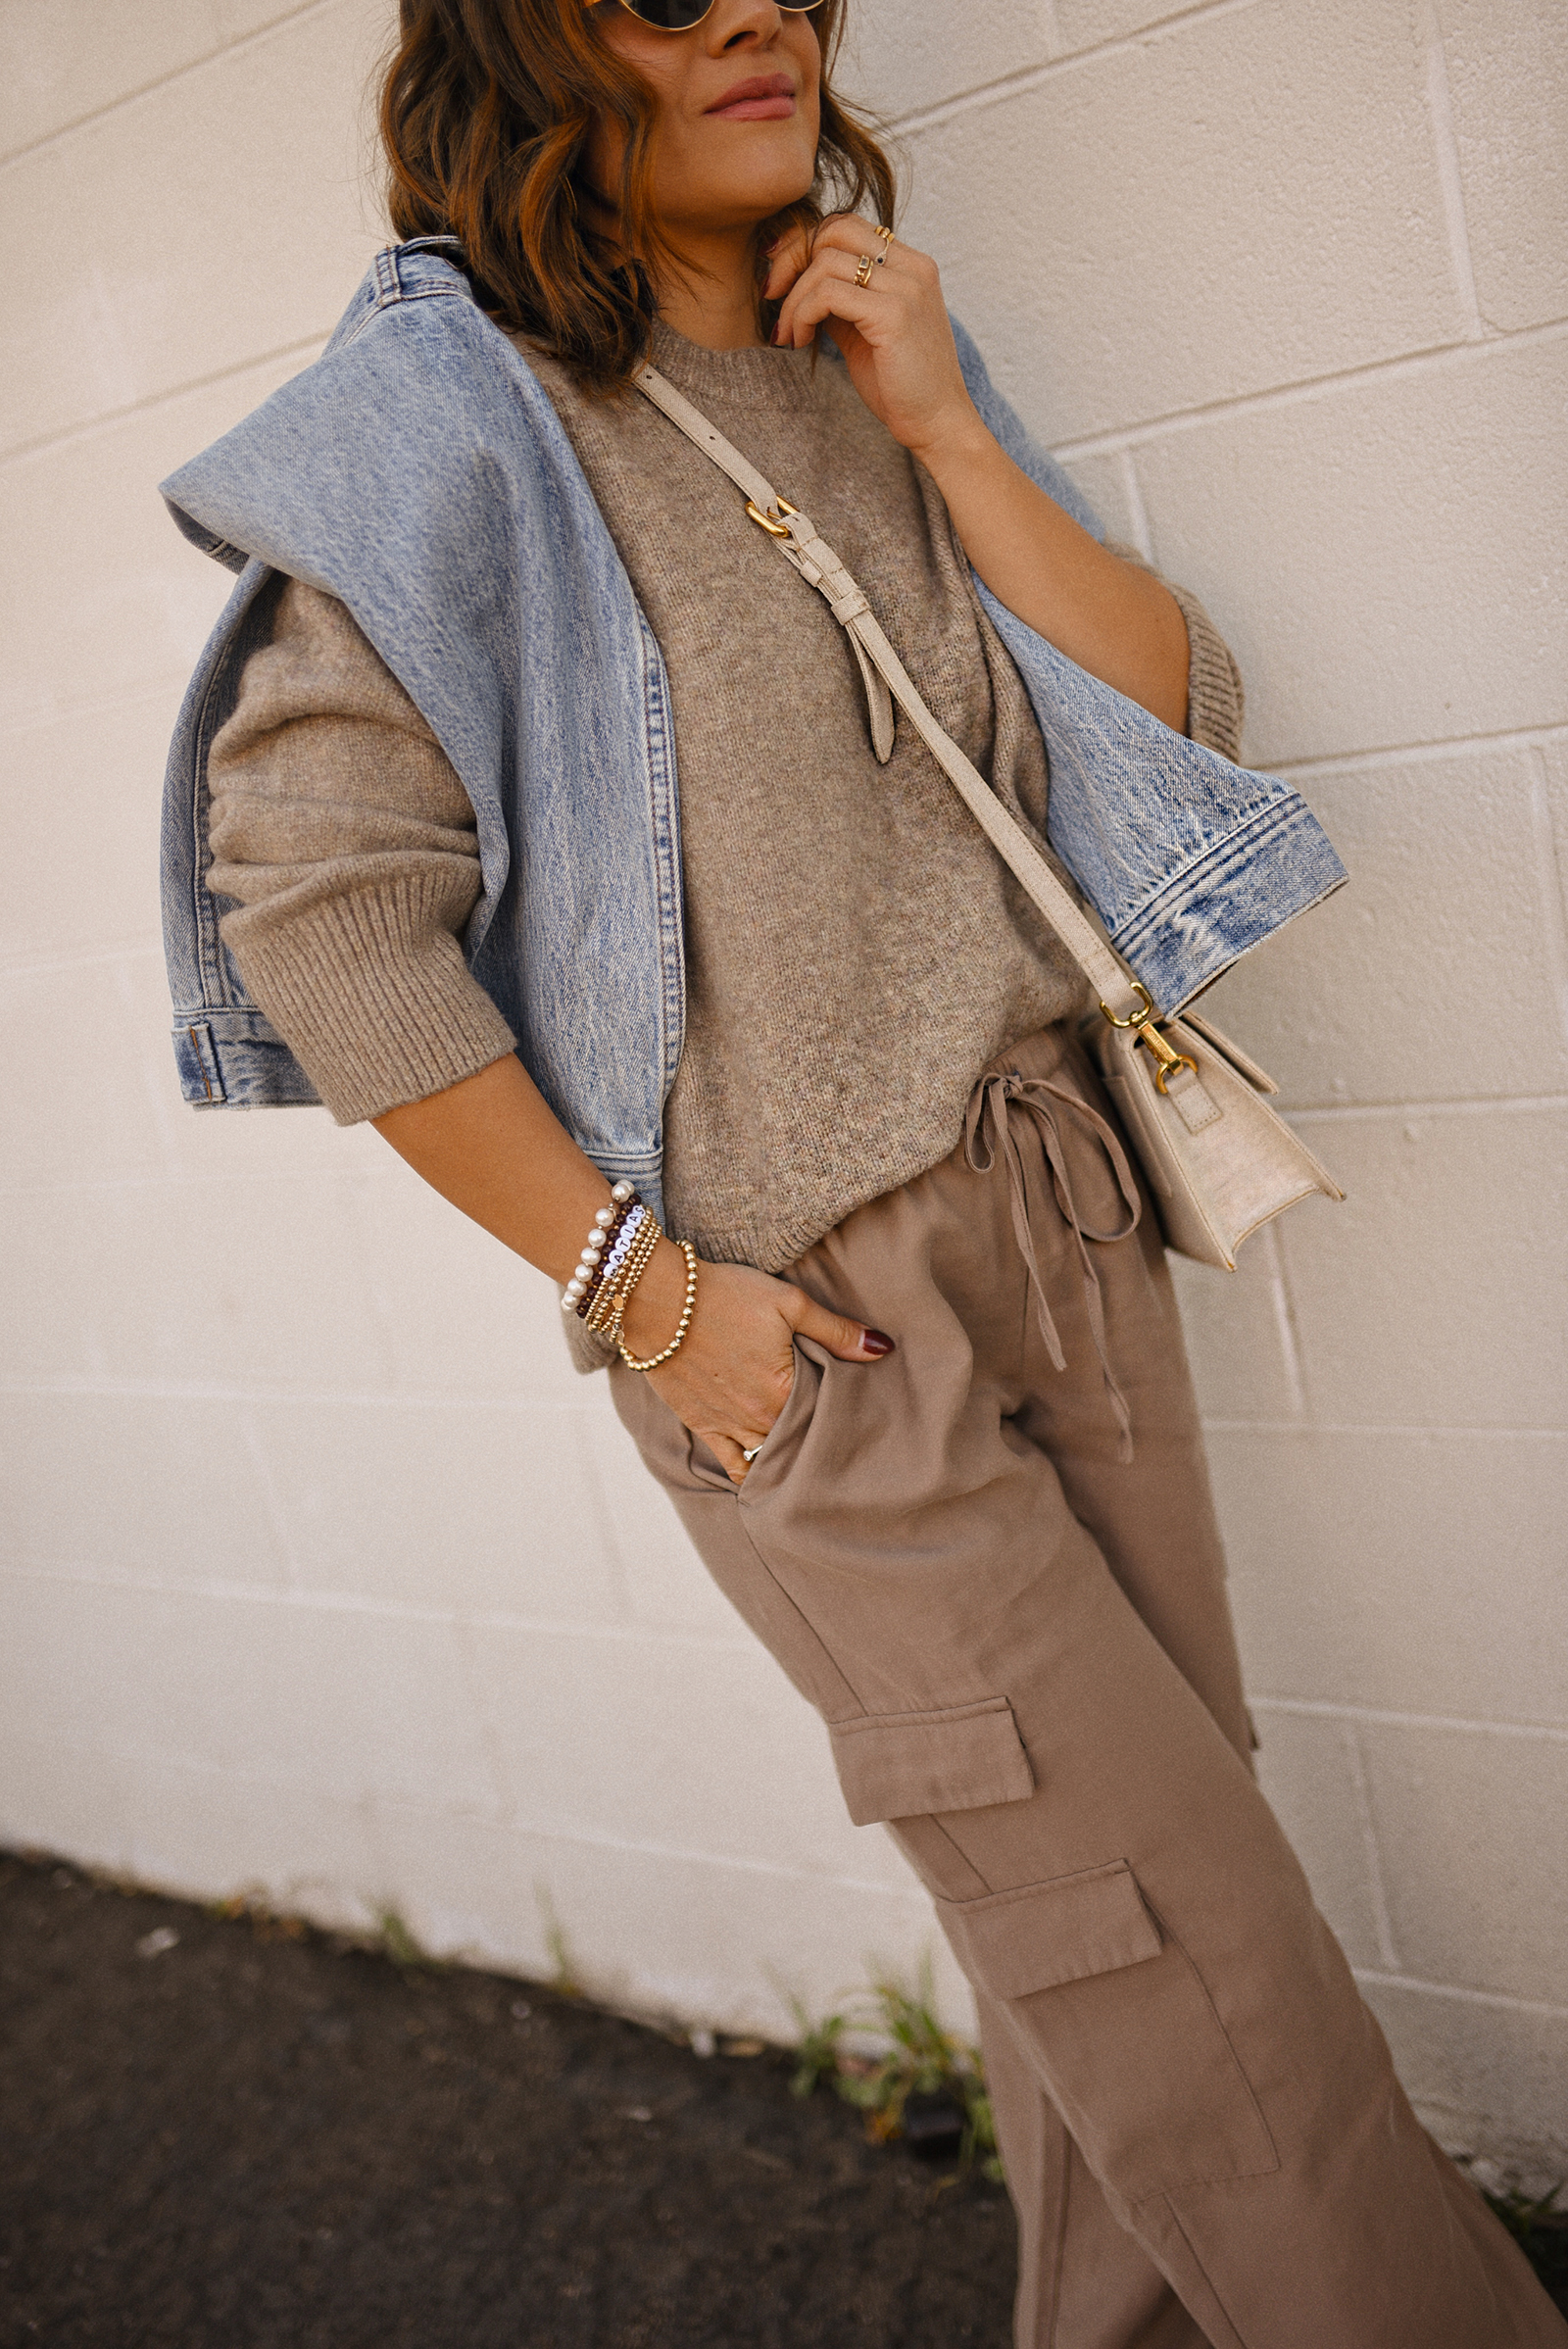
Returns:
(418, 472)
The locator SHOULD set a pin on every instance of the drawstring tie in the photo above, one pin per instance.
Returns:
(988, 1126)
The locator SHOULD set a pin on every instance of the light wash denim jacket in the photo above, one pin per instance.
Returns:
(419, 473)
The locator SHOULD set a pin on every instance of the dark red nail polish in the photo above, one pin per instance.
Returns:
(876, 1341)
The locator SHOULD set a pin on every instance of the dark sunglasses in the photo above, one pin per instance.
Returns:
(679, 16)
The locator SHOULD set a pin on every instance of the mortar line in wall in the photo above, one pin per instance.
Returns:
(1421, 754)
(1406, 1430)
(1382, 1921)
(1338, 1113)
(67, 1385)
(133, 697)
(15, 720)
(1124, 438)
(402, 1807)
(549, 1416)
(1437, 358)
(1284, 1320)
(91, 959)
(91, 426)
(1018, 84)
(1445, 154)
(228, 1179)
(1531, 1732)
(1137, 511)
(314, 1398)
(192, 65)
(705, 1859)
(1550, 881)
(1504, 1104)
(491, 1748)
(398, 1610)
(1456, 1990)
(274, 1506)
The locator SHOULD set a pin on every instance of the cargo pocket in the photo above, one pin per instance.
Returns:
(903, 1765)
(1122, 2028)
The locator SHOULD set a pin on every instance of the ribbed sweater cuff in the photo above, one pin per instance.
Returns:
(370, 992)
(588, 1350)
(1216, 704)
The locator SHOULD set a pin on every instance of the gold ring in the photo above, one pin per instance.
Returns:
(886, 234)
(863, 270)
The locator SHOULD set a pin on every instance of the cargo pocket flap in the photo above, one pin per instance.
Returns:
(1042, 1934)
(903, 1765)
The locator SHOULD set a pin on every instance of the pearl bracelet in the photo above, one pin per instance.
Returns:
(686, 1310)
(605, 1233)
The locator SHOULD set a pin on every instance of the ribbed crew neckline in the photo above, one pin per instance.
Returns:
(760, 378)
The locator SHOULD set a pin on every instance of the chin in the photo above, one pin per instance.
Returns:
(758, 178)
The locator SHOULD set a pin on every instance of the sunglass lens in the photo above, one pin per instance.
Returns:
(679, 16)
(671, 15)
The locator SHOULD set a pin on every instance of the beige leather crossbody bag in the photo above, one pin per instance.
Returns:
(1218, 1160)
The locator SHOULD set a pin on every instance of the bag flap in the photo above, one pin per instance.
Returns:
(903, 1765)
(1232, 1053)
(1042, 1934)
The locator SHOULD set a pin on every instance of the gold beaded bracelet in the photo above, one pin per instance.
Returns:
(601, 1303)
(686, 1310)
(609, 1306)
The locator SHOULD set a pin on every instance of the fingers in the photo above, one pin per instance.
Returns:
(845, 232)
(851, 234)
(785, 264)
(849, 1341)
(729, 1455)
(819, 297)
(901, 294)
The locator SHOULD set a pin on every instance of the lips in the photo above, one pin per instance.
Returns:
(766, 98)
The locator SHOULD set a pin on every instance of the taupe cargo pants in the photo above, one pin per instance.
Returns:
(1022, 1650)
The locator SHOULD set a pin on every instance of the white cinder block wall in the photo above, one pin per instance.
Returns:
(323, 1575)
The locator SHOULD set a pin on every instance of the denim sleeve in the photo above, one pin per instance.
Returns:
(1001, 420)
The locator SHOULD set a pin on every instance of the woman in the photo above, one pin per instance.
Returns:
(913, 1378)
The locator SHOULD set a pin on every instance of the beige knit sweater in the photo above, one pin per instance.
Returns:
(856, 950)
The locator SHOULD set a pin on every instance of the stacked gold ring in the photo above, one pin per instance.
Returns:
(863, 269)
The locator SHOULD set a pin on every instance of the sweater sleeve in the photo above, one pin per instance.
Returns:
(1215, 700)
(342, 831)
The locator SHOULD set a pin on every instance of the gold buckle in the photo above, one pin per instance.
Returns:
(1166, 1057)
(769, 522)
(1138, 1018)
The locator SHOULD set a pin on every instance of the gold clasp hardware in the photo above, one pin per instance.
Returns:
(768, 522)
(1137, 1019)
(1166, 1057)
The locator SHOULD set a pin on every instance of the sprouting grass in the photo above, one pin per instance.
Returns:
(1541, 2233)
(918, 2057)
(398, 1942)
(266, 1923)
(563, 1978)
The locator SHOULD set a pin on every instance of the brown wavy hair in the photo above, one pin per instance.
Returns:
(486, 112)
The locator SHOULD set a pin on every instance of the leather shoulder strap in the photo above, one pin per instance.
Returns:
(807, 552)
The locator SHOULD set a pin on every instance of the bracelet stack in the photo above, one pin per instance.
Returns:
(618, 1252)
(624, 1267)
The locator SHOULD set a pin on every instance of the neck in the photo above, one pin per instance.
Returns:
(709, 294)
